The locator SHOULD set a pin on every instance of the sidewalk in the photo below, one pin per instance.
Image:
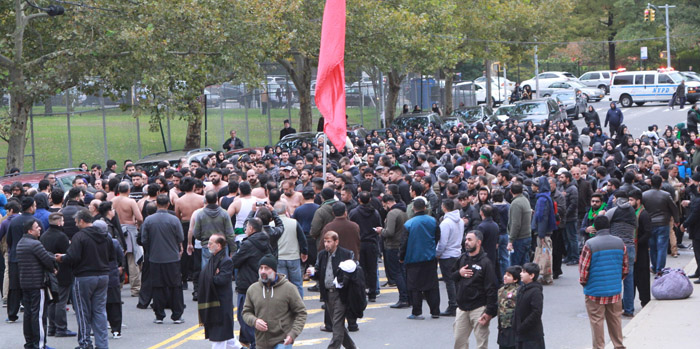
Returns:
(666, 324)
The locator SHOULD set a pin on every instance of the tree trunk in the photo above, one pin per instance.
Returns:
(48, 106)
(611, 53)
(449, 78)
(395, 80)
(17, 140)
(193, 139)
(300, 71)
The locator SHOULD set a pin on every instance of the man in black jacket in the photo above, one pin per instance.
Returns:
(34, 261)
(527, 318)
(89, 255)
(477, 293)
(641, 263)
(692, 224)
(246, 261)
(287, 130)
(368, 219)
(326, 269)
(14, 234)
(661, 208)
(73, 204)
(233, 142)
(56, 241)
(489, 228)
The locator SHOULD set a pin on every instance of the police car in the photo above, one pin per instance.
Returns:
(639, 87)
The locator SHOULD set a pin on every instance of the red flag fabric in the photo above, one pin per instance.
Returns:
(330, 79)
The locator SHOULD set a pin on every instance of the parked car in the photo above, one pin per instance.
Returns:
(503, 112)
(572, 103)
(469, 116)
(538, 110)
(415, 120)
(150, 161)
(548, 78)
(356, 130)
(64, 177)
(599, 79)
(294, 140)
(590, 93)
(464, 90)
(498, 81)
(353, 97)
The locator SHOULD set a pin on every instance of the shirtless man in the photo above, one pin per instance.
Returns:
(240, 208)
(152, 191)
(130, 217)
(291, 198)
(184, 207)
(216, 182)
(174, 193)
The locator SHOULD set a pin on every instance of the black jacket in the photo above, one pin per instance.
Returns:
(273, 233)
(287, 131)
(644, 229)
(527, 320)
(33, 261)
(660, 206)
(15, 233)
(56, 241)
(367, 218)
(90, 252)
(490, 243)
(479, 290)
(69, 211)
(247, 259)
(692, 222)
(341, 254)
(232, 144)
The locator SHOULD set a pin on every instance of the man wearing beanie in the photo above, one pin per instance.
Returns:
(602, 267)
(14, 234)
(274, 307)
(323, 215)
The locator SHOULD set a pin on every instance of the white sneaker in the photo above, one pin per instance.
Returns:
(116, 335)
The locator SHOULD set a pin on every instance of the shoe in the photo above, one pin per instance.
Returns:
(674, 255)
(179, 321)
(415, 317)
(372, 299)
(399, 305)
(184, 286)
(141, 306)
(388, 284)
(10, 321)
(353, 328)
(157, 321)
(694, 276)
(435, 316)
(628, 315)
(448, 312)
(194, 296)
(116, 335)
(572, 263)
(313, 288)
(697, 281)
(326, 329)
(681, 246)
(68, 333)
(51, 333)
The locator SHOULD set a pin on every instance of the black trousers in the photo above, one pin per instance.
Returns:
(313, 251)
(196, 267)
(696, 251)
(146, 293)
(185, 259)
(168, 297)
(14, 296)
(35, 316)
(114, 316)
(369, 251)
(328, 322)
(558, 250)
(642, 284)
(432, 297)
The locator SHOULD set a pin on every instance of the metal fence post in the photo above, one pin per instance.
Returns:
(31, 130)
(170, 143)
(221, 117)
(104, 125)
(70, 150)
(289, 100)
(362, 104)
(269, 117)
(133, 112)
(247, 127)
(206, 123)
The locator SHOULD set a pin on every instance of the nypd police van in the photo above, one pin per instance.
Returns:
(639, 87)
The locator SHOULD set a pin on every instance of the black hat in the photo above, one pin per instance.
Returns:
(601, 222)
(27, 202)
(442, 177)
(327, 193)
(454, 174)
(270, 261)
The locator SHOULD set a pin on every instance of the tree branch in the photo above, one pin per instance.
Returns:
(47, 57)
(6, 62)
(35, 15)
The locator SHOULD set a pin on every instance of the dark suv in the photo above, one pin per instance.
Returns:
(538, 110)
(408, 121)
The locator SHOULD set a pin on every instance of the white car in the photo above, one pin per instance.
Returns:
(510, 85)
(547, 78)
(462, 90)
(599, 79)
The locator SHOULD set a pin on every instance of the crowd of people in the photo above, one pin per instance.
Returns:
(495, 209)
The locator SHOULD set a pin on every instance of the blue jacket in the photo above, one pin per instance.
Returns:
(614, 117)
(421, 238)
(605, 270)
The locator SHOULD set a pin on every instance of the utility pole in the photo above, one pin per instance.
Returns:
(668, 29)
(537, 74)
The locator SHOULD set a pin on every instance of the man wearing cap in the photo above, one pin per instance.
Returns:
(456, 177)
(274, 307)
(15, 233)
(396, 177)
(233, 142)
(287, 130)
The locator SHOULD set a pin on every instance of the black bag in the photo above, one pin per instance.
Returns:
(353, 293)
(51, 284)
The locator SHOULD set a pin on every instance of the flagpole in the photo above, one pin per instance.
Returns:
(324, 158)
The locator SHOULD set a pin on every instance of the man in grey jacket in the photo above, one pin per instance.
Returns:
(519, 221)
(448, 250)
(393, 234)
(571, 216)
(661, 208)
(623, 223)
(34, 261)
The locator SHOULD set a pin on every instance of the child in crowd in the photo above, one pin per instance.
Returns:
(527, 321)
(506, 307)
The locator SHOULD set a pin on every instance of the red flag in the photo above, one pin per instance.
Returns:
(330, 79)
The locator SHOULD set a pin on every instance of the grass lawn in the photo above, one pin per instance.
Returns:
(87, 142)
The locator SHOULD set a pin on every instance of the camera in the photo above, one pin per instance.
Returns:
(261, 203)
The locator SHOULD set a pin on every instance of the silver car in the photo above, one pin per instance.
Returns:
(590, 93)
(599, 79)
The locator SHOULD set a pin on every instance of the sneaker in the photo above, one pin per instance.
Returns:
(628, 315)
(116, 335)
(179, 321)
(400, 305)
(325, 329)
(313, 288)
(435, 316)
(415, 317)
(158, 321)
(10, 321)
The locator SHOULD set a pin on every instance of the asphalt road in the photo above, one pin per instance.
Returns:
(565, 320)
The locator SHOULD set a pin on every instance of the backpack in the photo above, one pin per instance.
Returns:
(556, 212)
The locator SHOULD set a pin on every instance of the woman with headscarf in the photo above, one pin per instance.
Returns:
(42, 210)
(590, 115)
(544, 223)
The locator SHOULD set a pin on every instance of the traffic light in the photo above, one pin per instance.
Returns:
(652, 15)
(646, 15)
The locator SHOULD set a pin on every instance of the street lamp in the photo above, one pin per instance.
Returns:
(52, 10)
(668, 39)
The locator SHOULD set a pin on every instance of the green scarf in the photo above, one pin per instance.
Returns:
(592, 215)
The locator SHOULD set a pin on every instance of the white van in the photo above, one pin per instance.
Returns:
(639, 87)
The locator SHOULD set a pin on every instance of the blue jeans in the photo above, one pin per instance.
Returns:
(571, 238)
(282, 346)
(628, 283)
(520, 255)
(658, 244)
(247, 333)
(292, 269)
(90, 302)
(503, 257)
(397, 271)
